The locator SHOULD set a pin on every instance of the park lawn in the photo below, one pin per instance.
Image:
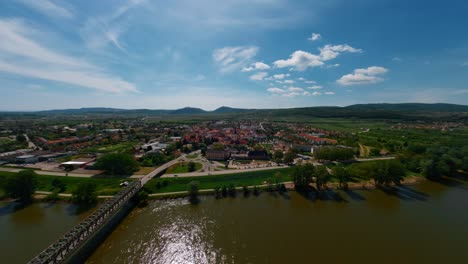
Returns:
(210, 182)
(104, 186)
(144, 170)
(182, 167)
(193, 156)
(122, 147)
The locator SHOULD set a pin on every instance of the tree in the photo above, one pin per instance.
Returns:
(117, 164)
(85, 193)
(191, 166)
(342, 174)
(302, 176)
(321, 177)
(278, 156)
(245, 190)
(21, 138)
(232, 190)
(193, 192)
(22, 186)
(289, 157)
(58, 185)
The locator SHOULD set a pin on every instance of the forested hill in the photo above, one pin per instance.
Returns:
(378, 111)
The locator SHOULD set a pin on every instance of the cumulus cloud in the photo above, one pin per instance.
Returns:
(256, 66)
(301, 60)
(329, 93)
(363, 76)
(329, 52)
(310, 82)
(259, 76)
(27, 57)
(288, 81)
(281, 76)
(233, 58)
(315, 36)
(276, 90)
(295, 89)
(315, 87)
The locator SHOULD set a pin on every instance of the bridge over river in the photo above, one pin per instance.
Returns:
(64, 247)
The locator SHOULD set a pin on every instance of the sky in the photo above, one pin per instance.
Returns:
(134, 54)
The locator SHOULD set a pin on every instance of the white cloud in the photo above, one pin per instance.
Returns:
(288, 81)
(301, 60)
(200, 77)
(316, 93)
(234, 58)
(306, 93)
(397, 59)
(301, 79)
(329, 52)
(256, 66)
(333, 65)
(315, 87)
(292, 94)
(363, 76)
(281, 76)
(329, 93)
(310, 82)
(26, 57)
(276, 90)
(48, 8)
(259, 76)
(295, 89)
(315, 36)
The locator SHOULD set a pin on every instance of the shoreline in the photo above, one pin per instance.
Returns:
(40, 196)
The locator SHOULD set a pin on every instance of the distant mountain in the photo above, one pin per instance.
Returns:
(405, 111)
(407, 107)
(188, 111)
(227, 110)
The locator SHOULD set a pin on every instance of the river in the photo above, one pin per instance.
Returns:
(427, 223)
(25, 232)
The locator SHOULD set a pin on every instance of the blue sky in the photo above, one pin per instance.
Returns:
(244, 53)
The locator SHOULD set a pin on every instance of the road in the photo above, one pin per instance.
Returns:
(196, 174)
(31, 144)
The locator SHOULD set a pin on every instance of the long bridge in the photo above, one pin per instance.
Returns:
(75, 238)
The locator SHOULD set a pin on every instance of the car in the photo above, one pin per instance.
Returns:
(123, 184)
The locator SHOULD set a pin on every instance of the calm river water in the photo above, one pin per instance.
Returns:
(427, 223)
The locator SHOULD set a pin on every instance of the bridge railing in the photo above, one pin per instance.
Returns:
(60, 249)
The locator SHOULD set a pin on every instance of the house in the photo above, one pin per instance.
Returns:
(217, 155)
(24, 159)
(258, 155)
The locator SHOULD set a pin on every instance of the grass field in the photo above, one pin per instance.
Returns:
(182, 167)
(122, 147)
(104, 186)
(209, 182)
(193, 156)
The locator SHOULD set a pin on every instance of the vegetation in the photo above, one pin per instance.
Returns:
(184, 167)
(85, 193)
(382, 172)
(302, 176)
(342, 175)
(117, 164)
(46, 183)
(322, 177)
(22, 186)
(334, 153)
(193, 192)
(178, 184)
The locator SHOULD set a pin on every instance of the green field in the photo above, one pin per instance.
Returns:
(104, 186)
(209, 182)
(123, 147)
(182, 168)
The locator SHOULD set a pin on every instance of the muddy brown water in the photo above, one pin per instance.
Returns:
(427, 223)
